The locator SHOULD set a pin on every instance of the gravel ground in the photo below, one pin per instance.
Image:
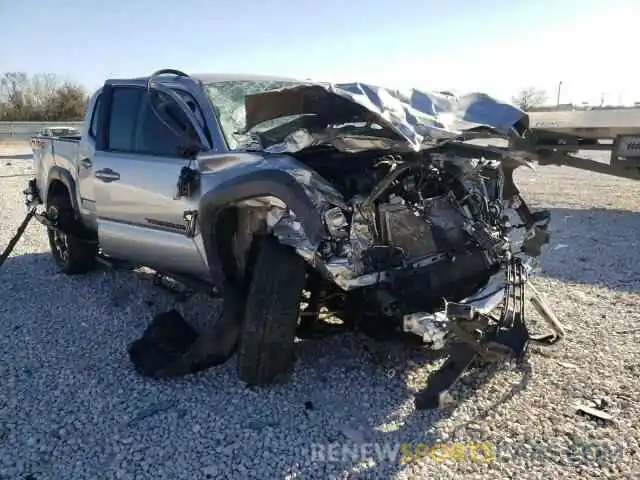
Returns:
(71, 406)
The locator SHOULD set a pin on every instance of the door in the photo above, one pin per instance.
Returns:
(140, 218)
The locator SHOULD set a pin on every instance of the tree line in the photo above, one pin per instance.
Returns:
(42, 97)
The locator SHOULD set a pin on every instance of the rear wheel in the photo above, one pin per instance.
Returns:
(72, 249)
(271, 313)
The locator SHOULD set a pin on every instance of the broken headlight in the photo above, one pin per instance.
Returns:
(336, 222)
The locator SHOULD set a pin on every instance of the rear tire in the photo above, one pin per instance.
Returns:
(73, 251)
(271, 314)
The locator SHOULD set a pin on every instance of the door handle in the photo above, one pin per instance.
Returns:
(86, 162)
(107, 175)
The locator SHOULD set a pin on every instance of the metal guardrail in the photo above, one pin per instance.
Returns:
(25, 130)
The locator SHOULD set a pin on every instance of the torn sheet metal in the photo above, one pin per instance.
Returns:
(431, 327)
(434, 326)
(345, 268)
(359, 116)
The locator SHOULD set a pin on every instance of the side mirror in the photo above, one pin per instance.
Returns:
(190, 147)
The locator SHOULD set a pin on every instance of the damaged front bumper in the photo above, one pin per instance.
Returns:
(434, 328)
(472, 329)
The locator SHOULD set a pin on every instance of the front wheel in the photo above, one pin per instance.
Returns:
(73, 252)
(271, 314)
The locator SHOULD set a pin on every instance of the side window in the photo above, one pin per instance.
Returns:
(135, 127)
(93, 130)
(125, 106)
(154, 137)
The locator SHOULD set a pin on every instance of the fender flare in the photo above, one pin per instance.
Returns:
(275, 183)
(63, 176)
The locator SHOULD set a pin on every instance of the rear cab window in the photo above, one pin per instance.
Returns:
(125, 104)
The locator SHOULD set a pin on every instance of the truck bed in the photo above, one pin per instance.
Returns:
(52, 151)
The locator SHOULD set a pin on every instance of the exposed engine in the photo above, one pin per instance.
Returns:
(421, 227)
(423, 243)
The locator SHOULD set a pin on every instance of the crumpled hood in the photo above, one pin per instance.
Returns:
(406, 120)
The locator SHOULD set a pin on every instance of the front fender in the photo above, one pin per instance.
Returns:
(259, 183)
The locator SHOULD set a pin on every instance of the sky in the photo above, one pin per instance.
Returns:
(495, 46)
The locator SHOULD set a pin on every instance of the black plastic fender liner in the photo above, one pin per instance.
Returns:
(259, 183)
(63, 176)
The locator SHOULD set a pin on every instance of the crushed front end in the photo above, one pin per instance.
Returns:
(432, 239)
(438, 243)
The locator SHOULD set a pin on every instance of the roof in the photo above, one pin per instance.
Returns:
(230, 77)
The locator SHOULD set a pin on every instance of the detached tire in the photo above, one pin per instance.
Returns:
(271, 314)
(71, 251)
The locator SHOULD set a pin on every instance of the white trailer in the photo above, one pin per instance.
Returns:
(558, 134)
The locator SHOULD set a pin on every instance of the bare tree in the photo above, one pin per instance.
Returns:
(42, 88)
(43, 97)
(67, 103)
(12, 94)
(530, 97)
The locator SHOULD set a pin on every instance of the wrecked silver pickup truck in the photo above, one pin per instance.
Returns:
(291, 198)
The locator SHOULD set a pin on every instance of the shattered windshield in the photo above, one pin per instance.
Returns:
(228, 99)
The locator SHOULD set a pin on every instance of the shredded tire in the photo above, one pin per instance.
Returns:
(81, 251)
(271, 314)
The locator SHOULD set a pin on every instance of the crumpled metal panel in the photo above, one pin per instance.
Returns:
(407, 120)
(433, 326)
(317, 188)
(360, 235)
(345, 268)
(344, 142)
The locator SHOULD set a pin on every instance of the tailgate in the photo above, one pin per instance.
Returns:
(43, 158)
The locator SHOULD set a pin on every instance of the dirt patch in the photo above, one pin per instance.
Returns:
(15, 143)
(9, 148)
